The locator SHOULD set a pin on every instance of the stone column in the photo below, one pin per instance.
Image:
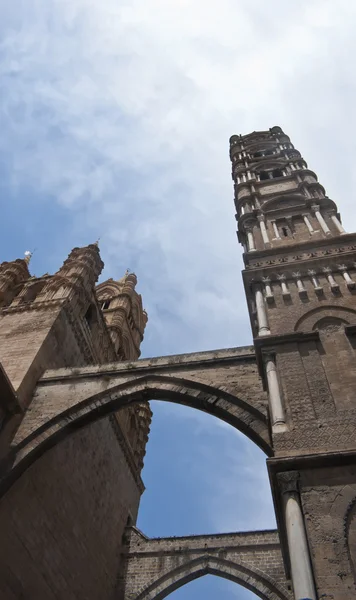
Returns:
(263, 230)
(263, 328)
(330, 278)
(308, 223)
(268, 289)
(282, 280)
(317, 287)
(250, 238)
(275, 229)
(301, 289)
(301, 569)
(350, 282)
(274, 394)
(321, 220)
(337, 223)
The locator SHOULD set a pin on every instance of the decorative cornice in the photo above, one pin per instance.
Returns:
(301, 252)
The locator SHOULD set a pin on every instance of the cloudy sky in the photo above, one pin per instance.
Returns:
(115, 117)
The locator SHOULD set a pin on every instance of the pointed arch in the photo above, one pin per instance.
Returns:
(248, 576)
(310, 320)
(48, 422)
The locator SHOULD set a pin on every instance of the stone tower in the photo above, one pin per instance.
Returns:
(299, 280)
(85, 491)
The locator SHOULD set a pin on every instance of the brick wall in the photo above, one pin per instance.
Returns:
(62, 522)
(157, 566)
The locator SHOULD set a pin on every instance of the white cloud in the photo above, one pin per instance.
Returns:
(123, 110)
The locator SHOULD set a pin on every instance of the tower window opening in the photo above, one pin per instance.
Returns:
(89, 316)
(285, 231)
(105, 305)
(264, 175)
(277, 173)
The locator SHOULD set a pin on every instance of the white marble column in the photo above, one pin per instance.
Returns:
(282, 280)
(330, 278)
(250, 239)
(350, 282)
(268, 289)
(315, 281)
(263, 328)
(275, 229)
(263, 230)
(301, 289)
(308, 224)
(337, 223)
(274, 394)
(321, 220)
(301, 569)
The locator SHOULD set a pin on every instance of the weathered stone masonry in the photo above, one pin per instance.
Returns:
(155, 567)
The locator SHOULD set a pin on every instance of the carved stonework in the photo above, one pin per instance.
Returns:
(288, 481)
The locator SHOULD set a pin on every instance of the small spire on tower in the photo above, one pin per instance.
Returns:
(28, 255)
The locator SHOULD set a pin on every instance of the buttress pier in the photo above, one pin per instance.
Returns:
(300, 281)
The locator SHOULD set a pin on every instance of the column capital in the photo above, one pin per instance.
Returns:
(288, 481)
(266, 279)
(315, 207)
(342, 268)
(281, 277)
(248, 225)
(268, 355)
(296, 274)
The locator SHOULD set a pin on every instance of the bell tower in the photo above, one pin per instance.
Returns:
(300, 281)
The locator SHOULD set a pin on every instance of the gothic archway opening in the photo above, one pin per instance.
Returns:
(211, 587)
(247, 575)
(201, 476)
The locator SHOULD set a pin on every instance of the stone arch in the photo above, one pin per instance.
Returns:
(309, 321)
(248, 576)
(46, 424)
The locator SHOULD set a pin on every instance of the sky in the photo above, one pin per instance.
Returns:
(115, 117)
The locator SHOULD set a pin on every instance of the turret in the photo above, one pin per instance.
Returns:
(126, 321)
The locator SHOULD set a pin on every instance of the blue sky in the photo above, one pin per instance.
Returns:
(115, 117)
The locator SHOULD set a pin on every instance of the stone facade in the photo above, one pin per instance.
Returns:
(75, 414)
(62, 523)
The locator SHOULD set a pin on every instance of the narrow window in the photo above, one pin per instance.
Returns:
(285, 231)
(89, 316)
(105, 305)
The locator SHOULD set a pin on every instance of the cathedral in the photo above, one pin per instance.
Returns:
(75, 415)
